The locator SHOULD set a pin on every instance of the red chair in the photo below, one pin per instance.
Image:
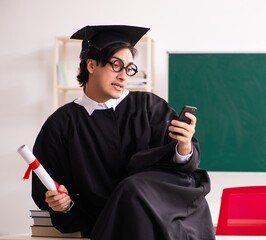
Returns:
(243, 211)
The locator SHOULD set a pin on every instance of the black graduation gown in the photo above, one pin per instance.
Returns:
(117, 160)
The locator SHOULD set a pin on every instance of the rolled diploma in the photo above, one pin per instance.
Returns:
(45, 178)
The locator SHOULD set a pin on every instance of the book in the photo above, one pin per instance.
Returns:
(50, 231)
(137, 81)
(39, 213)
(140, 74)
(41, 218)
(42, 221)
(43, 227)
(62, 74)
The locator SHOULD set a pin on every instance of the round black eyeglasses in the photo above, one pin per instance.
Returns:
(118, 66)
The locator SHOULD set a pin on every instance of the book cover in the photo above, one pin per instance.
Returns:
(62, 74)
(39, 213)
(50, 231)
(140, 74)
(42, 221)
(137, 81)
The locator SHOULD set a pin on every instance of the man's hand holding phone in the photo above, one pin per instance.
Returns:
(183, 129)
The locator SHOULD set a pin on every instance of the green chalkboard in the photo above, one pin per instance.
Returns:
(229, 90)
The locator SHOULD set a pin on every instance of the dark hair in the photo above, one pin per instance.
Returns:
(101, 56)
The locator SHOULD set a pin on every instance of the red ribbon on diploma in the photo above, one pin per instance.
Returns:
(34, 165)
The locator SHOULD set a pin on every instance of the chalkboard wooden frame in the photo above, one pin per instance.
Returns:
(229, 90)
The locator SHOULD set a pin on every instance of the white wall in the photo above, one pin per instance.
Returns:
(28, 28)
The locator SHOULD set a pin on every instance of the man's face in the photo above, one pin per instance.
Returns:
(104, 83)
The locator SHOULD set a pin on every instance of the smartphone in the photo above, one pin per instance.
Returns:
(185, 109)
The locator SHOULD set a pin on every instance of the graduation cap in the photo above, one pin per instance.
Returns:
(102, 36)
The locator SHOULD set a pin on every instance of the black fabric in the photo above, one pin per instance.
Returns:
(91, 155)
(157, 205)
(159, 158)
(102, 36)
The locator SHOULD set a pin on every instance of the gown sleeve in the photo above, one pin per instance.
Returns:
(50, 150)
(162, 147)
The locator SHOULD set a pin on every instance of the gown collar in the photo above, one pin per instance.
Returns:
(90, 105)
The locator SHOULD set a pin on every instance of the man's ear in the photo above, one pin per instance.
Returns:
(91, 65)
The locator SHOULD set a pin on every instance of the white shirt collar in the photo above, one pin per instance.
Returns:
(91, 105)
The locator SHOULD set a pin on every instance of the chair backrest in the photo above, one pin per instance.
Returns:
(243, 211)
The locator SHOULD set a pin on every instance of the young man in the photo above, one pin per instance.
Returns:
(130, 169)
